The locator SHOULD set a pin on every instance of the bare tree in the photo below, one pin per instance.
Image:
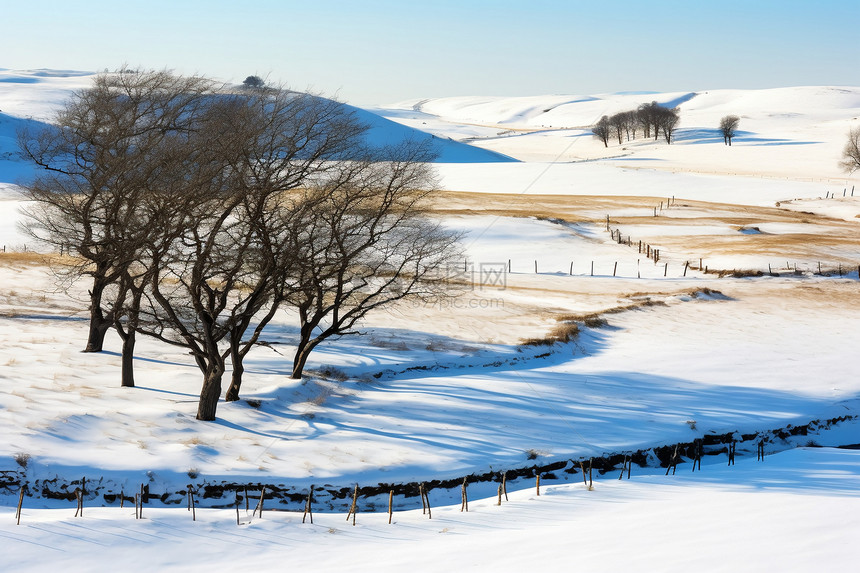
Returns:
(643, 119)
(365, 244)
(649, 117)
(851, 152)
(728, 127)
(630, 123)
(228, 265)
(602, 130)
(99, 162)
(667, 121)
(618, 126)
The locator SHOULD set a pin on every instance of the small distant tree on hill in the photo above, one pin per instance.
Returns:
(851, 153)
(603, 130)
(252, 82)
(728, 127)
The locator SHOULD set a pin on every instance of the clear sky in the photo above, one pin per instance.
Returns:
(383, 51)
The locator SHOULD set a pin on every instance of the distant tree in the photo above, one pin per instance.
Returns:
(602, 130)
(728, 127)
(630, 123)
(667, 120)
(643, 119)
(252, 82)
(650, 115)
(851, 152)
(618, 126)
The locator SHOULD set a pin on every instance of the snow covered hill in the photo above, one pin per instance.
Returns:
(794, 133)
(35, 95)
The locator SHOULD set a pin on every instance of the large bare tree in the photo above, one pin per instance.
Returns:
(226, 270)
(200, 211)
(99, 159)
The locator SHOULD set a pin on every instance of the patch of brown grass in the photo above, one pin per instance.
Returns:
(25, 258)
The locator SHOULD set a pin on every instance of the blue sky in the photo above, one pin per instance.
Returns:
(382, 51)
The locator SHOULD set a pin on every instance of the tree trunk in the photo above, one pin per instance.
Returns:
(236, 379)
(99, 325)
(302, 353)
(299, 364)
(128, 341)
(210, 393)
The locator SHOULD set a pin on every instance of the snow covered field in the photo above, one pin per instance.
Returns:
(441, 392)
(798, 511)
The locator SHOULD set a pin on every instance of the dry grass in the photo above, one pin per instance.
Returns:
(822, 237)
(28, 258)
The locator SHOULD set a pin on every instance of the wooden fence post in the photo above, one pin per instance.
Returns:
(427, 499)
(260, 504)
(79, 510)
(20, 503)
(390, 501)
(505, 485)
(191, 503)
(625, 465)
(465, 504)
(354, 508)
(308, 508)
(590, 469)
(673, 462)
(697, 457)
(538, 484)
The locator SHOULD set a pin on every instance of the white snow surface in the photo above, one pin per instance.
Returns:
(433, 392)
(797, 511)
